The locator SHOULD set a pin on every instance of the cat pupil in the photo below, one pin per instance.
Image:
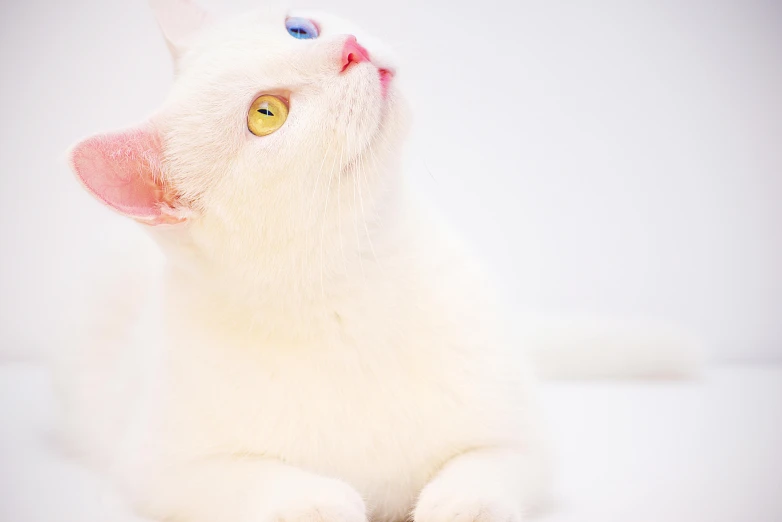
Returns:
(266, 112)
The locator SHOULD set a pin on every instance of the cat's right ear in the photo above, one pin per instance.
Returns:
(180, 21)
(123, 170)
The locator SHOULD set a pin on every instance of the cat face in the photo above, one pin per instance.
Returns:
(341, 113)
(270, 114)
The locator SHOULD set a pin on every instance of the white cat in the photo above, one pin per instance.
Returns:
(313, 344)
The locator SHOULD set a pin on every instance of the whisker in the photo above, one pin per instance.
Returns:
(363, 215)
(355, 223)
(323, 226)
(311, 204)
(317, 180)
(339, 207)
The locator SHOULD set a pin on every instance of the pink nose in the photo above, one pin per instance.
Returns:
(353, 52)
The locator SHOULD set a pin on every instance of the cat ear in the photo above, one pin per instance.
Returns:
(180, 21)
(123, 170)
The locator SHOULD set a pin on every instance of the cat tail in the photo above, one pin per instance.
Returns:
(599, 349)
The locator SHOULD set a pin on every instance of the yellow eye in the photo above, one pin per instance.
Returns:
(267, 114)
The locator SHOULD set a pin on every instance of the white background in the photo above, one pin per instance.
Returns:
(610, 158)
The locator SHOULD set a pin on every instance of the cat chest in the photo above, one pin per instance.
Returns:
(384, 424)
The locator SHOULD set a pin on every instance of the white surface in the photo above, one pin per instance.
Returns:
(606, 157)
(700, 451)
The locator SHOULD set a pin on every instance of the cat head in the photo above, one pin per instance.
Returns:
(274, 119)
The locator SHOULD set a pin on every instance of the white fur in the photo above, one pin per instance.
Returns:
(589, 348)
(313, 345)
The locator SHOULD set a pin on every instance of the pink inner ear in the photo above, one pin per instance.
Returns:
(123, 171)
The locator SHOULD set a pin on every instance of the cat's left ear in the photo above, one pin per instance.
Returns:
(180, 21)
(123, 170)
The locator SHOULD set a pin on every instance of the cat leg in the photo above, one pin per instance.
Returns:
(249, 490)
(488, 485)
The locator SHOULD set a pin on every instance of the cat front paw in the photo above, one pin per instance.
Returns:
(319, 500)
(451, 503)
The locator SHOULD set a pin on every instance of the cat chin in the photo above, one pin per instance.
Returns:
(379, 135)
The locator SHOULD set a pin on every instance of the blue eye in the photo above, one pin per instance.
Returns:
(301, 28)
